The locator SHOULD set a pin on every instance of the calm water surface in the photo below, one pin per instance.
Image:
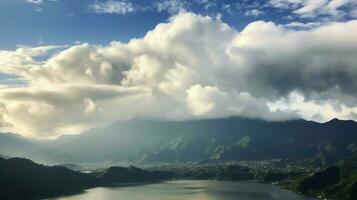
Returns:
(190, 190)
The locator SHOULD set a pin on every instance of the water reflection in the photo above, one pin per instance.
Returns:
(191, 190)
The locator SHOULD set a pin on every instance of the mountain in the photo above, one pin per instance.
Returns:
(144, 141)
(23, 179)
(13, 145)
(244, 139)
(117, 142)
(335, 182)
(119, 175)
(72, 166)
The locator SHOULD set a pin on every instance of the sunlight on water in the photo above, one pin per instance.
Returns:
(191, 190)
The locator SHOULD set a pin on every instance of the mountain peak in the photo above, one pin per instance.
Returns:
(336, 120)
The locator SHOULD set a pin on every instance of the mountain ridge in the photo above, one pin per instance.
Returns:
(140, 141)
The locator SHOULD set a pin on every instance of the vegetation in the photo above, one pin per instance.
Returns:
(300, 155)
(329, 176)
(337, 182)
(120, 175)
(212, 172)
(23, 179)
(214, 140)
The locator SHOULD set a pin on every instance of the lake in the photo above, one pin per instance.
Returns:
(190, 190)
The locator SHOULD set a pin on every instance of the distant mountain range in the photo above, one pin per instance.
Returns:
(12, 145)
(210, 140)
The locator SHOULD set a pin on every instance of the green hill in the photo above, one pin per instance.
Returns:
(335, 182)
(23, 179)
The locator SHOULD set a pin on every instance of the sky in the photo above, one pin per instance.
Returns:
(70, 65)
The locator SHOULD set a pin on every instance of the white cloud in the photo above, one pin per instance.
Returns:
(120, 7)
(311, 7)
(171, 6)
(211, 102)
(177, 6)
(311, 110)
(190, 67)
(254, 12)
(207, 4)
(89, 105)
(39, 9)
(308, 25)
(316, 8)
(38, 2)
(34, 1)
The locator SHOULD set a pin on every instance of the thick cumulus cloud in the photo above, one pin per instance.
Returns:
(190, 67)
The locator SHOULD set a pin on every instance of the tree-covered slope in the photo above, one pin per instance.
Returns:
(23, 179)
(198, 140)
(338, 182)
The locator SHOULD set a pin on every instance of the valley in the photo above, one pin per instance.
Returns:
(288, 154)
